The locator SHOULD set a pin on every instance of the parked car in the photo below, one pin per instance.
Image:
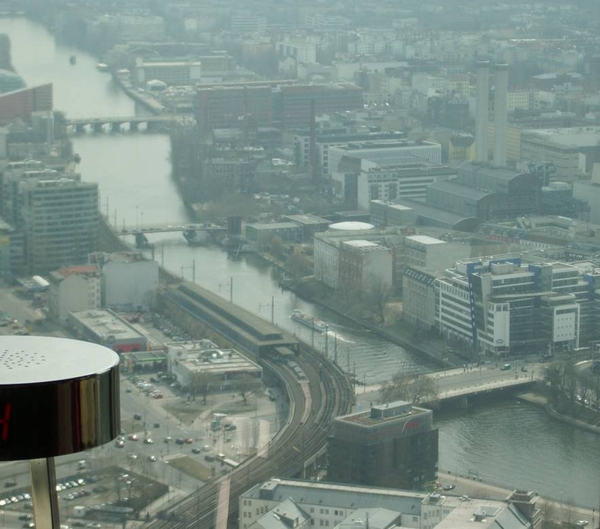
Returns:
(138, 416)
(505, 367)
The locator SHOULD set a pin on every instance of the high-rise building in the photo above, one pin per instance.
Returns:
(391, 445)
(60, 222)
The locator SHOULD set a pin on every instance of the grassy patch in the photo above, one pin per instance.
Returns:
(191, 467)
(188, 412)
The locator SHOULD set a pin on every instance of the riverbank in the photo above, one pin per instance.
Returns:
(473, 486)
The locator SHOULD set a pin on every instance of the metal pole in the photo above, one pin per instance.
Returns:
(326, 341)
(272, 310)
(194, 271)
(43, 493)
(335, 348)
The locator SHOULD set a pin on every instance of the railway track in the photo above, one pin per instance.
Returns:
(301, 439)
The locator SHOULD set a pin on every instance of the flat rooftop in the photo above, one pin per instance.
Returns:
(569, 137)
(104, 322)
(213, 360)
(425, 239)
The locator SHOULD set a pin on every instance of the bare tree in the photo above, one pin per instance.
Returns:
(376, 297)
(411, 388)
(549, 514)
(201, 384)
(247, 386)
(298, 264)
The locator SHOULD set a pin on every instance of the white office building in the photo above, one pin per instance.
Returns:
(504, 305)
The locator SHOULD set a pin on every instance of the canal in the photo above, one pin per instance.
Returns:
(510, 444)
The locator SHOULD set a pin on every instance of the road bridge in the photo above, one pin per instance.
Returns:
(194, 234)
(172, 228)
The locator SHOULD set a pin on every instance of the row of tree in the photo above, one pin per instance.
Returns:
(569, 384)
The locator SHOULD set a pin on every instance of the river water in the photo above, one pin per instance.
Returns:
(510, 444)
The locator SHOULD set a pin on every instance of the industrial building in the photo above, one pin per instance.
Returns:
(390, 445)
(487, 193)
(105, 327)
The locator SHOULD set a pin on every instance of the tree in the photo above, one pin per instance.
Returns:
(247, 386)
(376, 297)
(298, 264)
(276, 246)
(549, 513)
(201, 383)
(411, 388)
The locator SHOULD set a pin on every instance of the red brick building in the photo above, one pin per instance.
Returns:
(21, 103)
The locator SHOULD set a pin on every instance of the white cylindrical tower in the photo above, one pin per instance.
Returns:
(500, 114)
(481, 120)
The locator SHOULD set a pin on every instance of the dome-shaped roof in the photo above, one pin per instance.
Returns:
(351, 226)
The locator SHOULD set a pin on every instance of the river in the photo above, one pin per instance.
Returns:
(510, 444)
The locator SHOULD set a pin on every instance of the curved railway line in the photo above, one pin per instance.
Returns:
(323, 394)
(303, 436)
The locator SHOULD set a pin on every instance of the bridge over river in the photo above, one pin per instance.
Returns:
(194, 234)
(473, 381)
(117, 123)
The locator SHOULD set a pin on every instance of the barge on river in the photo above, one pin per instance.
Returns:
(309, 321)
